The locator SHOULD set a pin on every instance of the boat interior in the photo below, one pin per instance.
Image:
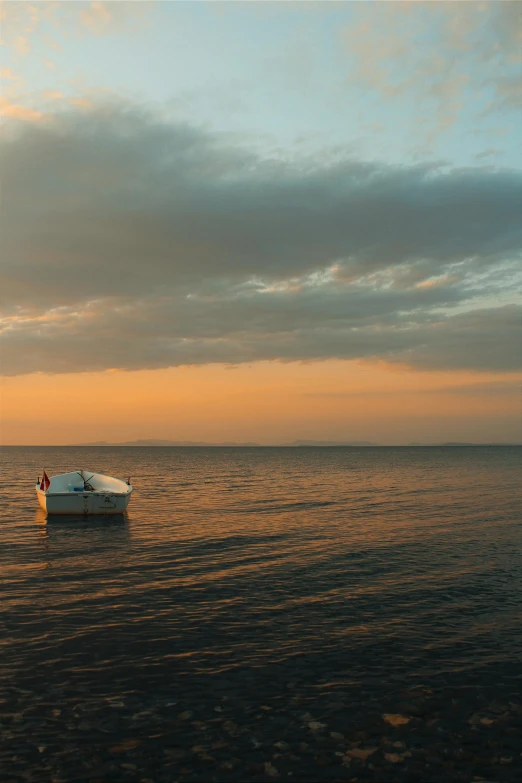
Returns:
(85, 481)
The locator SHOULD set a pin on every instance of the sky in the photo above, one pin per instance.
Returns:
(260, 221)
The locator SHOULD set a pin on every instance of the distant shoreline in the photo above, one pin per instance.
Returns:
(309, 445)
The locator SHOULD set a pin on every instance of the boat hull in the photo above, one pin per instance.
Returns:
(83, 502)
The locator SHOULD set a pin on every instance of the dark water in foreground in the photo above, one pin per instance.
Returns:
(256, 574)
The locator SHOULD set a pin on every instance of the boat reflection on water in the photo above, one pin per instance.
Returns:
(92, 538)
(59, 521)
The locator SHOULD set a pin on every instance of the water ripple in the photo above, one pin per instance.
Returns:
(234, 557)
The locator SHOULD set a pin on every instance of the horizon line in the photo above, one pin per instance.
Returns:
(310, 444)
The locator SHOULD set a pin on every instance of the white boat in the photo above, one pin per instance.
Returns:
(83, 492)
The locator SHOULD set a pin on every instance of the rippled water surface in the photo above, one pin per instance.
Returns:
(383, 561)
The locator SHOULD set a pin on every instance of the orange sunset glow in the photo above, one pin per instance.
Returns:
(266, 402)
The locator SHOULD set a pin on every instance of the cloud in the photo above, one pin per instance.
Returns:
(21, 44)
(489, 152)
(170, 332)
(96, 17)
(24, 23)
(107, 18)
(18, 112)
(7, 73)
(505, 388)
(451, 59)
(53, 95)
(488, 389)
(130, 242)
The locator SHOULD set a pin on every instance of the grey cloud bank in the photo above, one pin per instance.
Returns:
(129, 242)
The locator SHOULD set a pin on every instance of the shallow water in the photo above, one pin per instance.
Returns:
(385, 564)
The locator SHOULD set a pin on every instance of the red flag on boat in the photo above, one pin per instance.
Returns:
(45, 482)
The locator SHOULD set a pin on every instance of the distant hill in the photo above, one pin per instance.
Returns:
(294, 443)
(151, 442)
(331, 443)
(462, 443)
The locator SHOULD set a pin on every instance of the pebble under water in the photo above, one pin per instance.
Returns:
(315, 614)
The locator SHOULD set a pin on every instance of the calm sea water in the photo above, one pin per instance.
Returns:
(381, 561)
